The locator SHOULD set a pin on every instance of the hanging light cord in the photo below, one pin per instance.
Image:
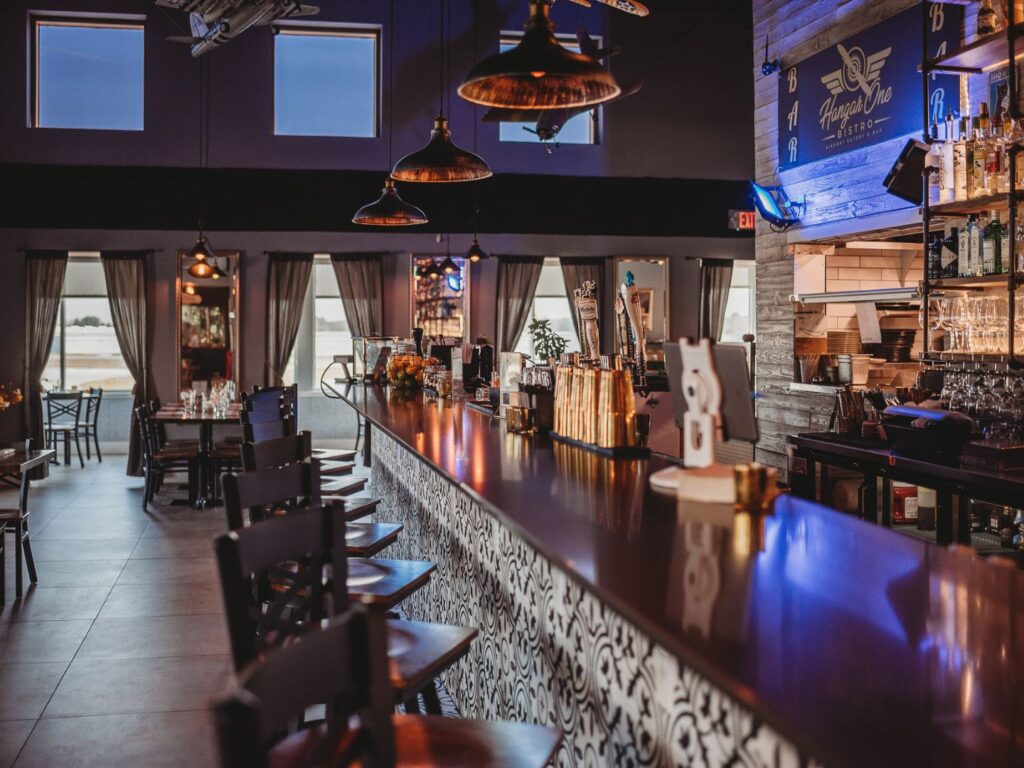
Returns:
(440, 25)
(391, 86)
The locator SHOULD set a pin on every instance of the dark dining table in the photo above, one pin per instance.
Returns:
(176, 413)
(16, 466)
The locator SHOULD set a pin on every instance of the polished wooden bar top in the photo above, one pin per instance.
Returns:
(859, 645)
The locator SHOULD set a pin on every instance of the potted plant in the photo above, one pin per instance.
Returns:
(547, 344)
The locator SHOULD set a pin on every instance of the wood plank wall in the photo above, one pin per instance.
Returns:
(847, 186)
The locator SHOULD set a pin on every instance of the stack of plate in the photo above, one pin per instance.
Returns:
(843, 342)
(896, 347)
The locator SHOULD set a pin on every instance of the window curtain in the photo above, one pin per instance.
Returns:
(125, 275)
(715, 277)
(361, 283)
(574, 273)
(287, 280)
(517, 282)
(44, 287)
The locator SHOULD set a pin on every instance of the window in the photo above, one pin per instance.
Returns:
(325, 81)
(87, 74)
(550, 302)
(740, 309)
(323, 331)
(578, 130)
(85, 352)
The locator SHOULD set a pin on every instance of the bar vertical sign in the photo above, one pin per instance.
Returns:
(866, 89)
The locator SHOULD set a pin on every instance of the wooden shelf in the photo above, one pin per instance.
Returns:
(964, 357)
(984, 54)
(984, 281)
(999, 202)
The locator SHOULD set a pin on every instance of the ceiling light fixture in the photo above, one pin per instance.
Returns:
(390, 210)
(539, 73)
(201, 269)
(449, 267)
(475, 254)
(201, 250)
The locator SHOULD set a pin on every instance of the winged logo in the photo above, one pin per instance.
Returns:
(858, 71)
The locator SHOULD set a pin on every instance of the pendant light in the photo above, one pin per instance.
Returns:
(390, 210)
(475, 254)
(441, 161)
(201, 269)
(201, 250)
(538, 73)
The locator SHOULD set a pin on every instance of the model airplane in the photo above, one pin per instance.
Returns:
(626, 6)
(215, 22)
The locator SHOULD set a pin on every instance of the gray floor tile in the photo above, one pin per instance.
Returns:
(175, 599)
(81, 527)
(54, 604)
(165, 546)
(161, 740)
(165, 571)
(13, 734)
(129, 686)
(154, 637)
(72, 573)
(35, 641)
(46, 550)
(27, 687)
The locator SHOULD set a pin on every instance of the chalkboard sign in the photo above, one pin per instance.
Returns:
(866, 89)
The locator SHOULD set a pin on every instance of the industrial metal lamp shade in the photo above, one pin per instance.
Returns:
(538, 73)
(389, 210)
(476, 253)
(201, 250)
(201, 269)
(449, 267)
(441, 161)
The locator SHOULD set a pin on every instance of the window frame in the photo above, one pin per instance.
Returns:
(303, 358)
(331, 29)
(509, 37)
(556, 262)
(37, 19)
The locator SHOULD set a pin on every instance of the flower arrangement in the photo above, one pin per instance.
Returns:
(9, 396)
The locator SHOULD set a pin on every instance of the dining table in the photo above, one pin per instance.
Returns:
(16, 465)
(206, 419)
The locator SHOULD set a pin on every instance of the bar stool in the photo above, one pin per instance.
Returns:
(286, 600)
(260, 419)
(286, 399)
(16, 520)
(361, 727)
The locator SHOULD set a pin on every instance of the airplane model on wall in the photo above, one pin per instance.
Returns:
(215, 22)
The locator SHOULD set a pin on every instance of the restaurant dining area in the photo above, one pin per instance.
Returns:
(512, 384)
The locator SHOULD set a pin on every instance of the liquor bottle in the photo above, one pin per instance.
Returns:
(934, 163)
(975, 254)
(960, 163)
(963, 264)
(933, 262)
(990, 236)
(987, 24)
(993, 148)
(947, 185)
(950, 257)
(976, 151)
(1018, 238)
(1002, 264)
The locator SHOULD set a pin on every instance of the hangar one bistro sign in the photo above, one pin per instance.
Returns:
(866, 89)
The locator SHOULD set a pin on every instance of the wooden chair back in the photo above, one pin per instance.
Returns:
(278, 452)
(281, 577)
(265, 492)
(257, 432)
(354, 684)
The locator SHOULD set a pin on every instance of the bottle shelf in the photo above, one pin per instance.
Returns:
(1000, 202)
(982, 55)
(983, 281)
(963, 357)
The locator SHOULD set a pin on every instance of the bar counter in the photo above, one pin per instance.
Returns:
(657, 635)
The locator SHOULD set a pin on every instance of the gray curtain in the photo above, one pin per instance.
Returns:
(574, 273)
(517, 282)
(715, 277)
(125, 274)
(287, 280)
(44, 287)
(361, 284)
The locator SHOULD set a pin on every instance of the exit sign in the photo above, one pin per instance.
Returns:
(740, 220)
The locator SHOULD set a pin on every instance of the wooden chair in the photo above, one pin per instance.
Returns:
(285, 400)
(158, 461)
(364, 539)
(3, 559)
(269, 599)
(88, 427)
(361, 727)
(259, 426)
(16, 519)
(63, 418)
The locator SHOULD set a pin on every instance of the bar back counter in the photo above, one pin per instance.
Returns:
(657, 635)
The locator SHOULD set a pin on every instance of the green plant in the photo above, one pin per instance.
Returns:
(546, 342)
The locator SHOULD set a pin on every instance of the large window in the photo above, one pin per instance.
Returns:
(323, 331)
(740, 308)
(550, 302)
(87, 74)
(578, 130)
(85, 352)
(325, 81)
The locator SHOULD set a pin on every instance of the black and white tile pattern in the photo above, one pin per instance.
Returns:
(551, 652)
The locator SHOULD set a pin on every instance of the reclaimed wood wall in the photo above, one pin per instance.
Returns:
(844, 187)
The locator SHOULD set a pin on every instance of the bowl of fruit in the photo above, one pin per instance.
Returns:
(405, 372)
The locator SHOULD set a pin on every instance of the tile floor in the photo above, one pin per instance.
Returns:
(113, 658)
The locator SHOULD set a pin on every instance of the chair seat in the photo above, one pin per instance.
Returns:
(336, 468)
(367, 539)
(356, 507)
(61, 427)
(444, 742)
(385, 582)
(192, 444)
(227, 453)
(176, 454)
(11, 516)
(88, 424)
(419, 651)
(332, 454)
(343, 487)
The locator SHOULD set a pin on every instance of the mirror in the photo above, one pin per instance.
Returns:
(651, 275)
(207, 320)
(440, 302)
